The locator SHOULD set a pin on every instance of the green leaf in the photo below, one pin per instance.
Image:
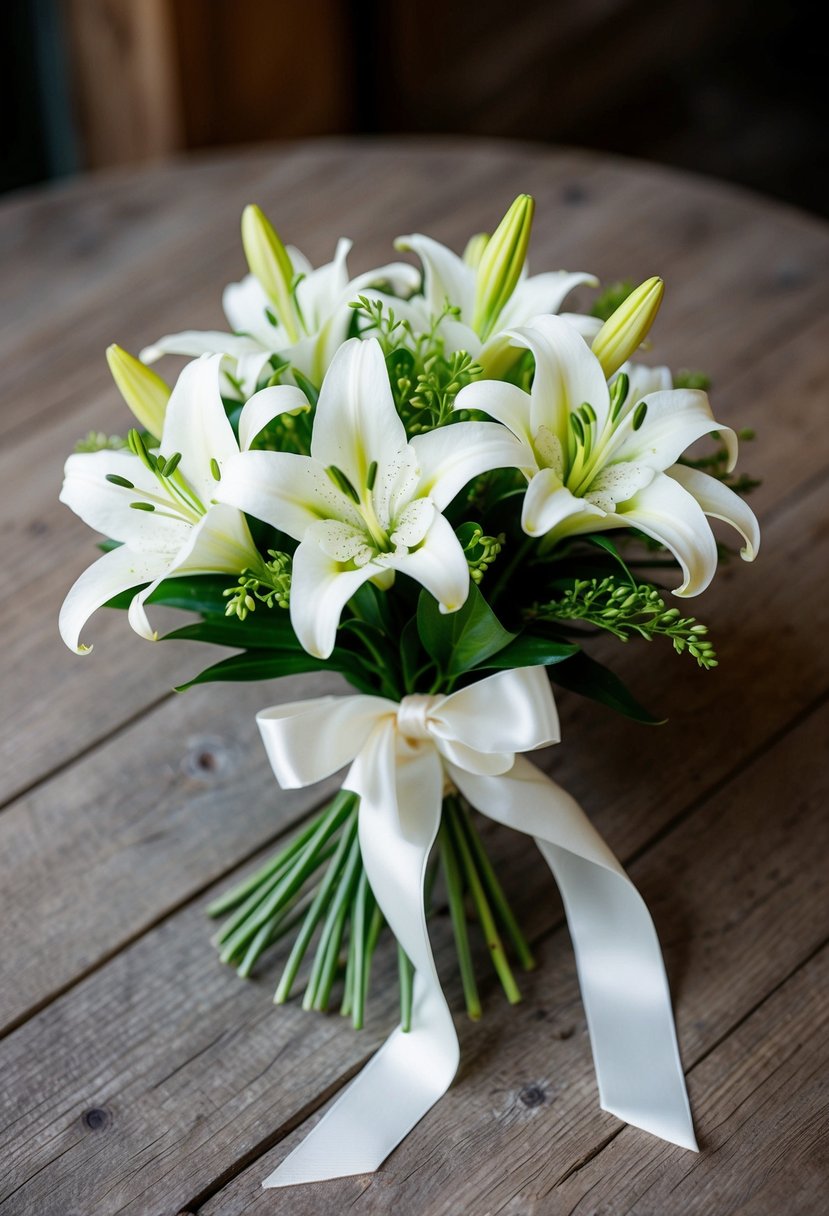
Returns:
(604, 542)
(306, 386)
(459, 641)
(370, 605)
(257, 665)
(273, 664)
(585, 676)
(271, 632)
(202, 593)
(528, 650)
(412, 659)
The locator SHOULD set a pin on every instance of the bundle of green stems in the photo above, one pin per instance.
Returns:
(317, 888)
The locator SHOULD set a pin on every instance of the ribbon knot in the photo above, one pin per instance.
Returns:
(413, 714)
(477, 733)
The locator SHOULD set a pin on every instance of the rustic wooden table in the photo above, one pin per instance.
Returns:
(141, 1076)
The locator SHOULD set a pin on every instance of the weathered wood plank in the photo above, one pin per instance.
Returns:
(745, 302)
(131, 807)
(738, 881)
(762, 1094)
(101, 852)
(196, 1072)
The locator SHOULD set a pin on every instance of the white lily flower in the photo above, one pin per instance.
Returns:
(490, 286)
(367, 502)
(161, 506)
(308, 325)
(599, 457)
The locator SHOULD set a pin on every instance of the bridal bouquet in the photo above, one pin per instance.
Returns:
(437, 484)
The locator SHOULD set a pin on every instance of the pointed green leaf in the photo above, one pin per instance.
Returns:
(585, 676)
(459, 641)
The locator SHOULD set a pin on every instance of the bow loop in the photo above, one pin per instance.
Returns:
(307, 741)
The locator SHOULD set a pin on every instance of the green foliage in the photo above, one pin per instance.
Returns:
(270, 585)
(584, 675)
(425, 380)
(480, 551)
(97, 441)
(459, 641)
(610, 298)
(686, 378)
(629, 609)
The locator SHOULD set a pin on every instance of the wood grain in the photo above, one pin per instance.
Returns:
(142, 1076)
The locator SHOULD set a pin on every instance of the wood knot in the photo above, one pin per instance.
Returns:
(573, 194)
(96, 1118)
(206, 758)
(532, 1095)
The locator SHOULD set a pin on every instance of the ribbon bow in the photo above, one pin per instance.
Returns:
(401, 754)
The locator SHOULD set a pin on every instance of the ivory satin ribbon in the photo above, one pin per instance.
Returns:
(400, 755)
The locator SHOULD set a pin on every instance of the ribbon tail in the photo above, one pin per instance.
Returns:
(400, 809)
(621, 971)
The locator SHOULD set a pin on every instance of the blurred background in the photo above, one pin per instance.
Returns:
(733, 89)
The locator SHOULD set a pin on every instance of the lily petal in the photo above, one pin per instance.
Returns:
(674, 420)
(355, 421)
(644, 380)
(117, 571)
(438, 564)
(288, 492)
(721, 502)
(220, 543)
(340, 541)
(196, 425)
(195, 342)
(266, 405)
(670, 514)
(567, 374)
(320, 290)
(506, 403)
(413, 523)
(548, 503)
(399, 277)
(245, 305)
(452, 456)
(445, 275)
(541, 293)
(617, 483)
(320, 588)
(107, 508)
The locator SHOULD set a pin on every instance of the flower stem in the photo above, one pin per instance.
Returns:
(495, 891)
(406, 972)
(359, 939)
(493, 939)
(318, 907)
(454, 889)
(230, 899)
(303, 866)
(326, 958)
(255, 900)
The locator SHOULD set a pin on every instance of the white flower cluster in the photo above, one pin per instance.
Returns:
(595, 437)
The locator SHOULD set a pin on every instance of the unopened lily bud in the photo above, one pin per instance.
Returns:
(502, 261)
(626, 329)
(144, 392)
(475, 247)
(268, 260)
